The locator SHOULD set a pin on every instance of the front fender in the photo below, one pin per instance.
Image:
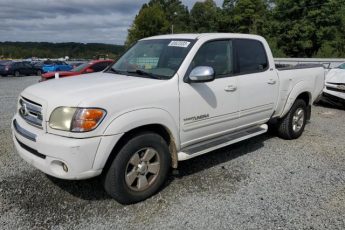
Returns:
(137, 118)
(129, 121)
(299, 88)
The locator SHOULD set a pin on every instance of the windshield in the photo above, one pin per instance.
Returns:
(342, 66)
(80, 67)
(157, 58)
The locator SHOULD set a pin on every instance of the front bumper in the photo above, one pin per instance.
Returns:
(53, 154)
(334, 96)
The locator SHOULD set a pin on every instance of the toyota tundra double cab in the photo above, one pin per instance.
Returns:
(169, 98)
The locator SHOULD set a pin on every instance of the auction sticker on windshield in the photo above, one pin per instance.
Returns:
(183, 44)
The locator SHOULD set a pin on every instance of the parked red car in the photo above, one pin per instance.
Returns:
(89, 67)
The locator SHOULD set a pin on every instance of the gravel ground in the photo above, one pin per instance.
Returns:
(261, 183)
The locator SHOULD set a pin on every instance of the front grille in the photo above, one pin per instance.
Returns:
(336, 89)
(31, 112)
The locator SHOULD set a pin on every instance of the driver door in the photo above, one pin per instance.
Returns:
(209, 109)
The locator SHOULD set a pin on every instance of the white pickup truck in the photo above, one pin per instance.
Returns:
(167, 99)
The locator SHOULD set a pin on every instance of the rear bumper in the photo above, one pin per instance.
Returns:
(54, 154)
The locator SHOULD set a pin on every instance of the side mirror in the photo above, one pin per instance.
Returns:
(201, 74)
(88, 70)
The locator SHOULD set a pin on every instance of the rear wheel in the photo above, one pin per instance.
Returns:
(139, 169)
(293, 124)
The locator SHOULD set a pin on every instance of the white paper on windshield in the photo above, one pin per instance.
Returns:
(183, 44)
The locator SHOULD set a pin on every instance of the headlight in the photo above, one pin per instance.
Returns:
(76, 119)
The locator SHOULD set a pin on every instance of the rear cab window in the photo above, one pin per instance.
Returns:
(250, 56)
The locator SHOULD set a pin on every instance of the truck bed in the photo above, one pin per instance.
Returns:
(282, 67)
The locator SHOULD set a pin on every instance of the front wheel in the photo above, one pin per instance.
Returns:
(293, 124)
(139, 169)
(39, 73)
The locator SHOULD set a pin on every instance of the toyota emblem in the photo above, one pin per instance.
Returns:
(24, 111)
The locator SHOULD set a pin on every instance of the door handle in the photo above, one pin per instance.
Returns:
(271, 82)
(230, 88)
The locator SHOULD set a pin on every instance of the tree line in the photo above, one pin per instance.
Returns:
(58, 50)
(293, 28)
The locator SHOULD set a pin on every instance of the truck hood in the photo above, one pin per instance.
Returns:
(72, 91)
(336, 76)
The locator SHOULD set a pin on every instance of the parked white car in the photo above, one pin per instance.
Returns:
(334, 91)
(167, 99)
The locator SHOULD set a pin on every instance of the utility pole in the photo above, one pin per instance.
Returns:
(172, 22)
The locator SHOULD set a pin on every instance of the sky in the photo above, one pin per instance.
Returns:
(86, 21)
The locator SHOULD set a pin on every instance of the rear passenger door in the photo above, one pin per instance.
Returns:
(257, 82)
(19, 66)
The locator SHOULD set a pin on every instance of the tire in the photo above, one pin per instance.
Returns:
(39, 73)
(16, 74)
(292, 125)
(124, 180)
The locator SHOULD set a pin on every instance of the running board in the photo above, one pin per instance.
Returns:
(216, 143)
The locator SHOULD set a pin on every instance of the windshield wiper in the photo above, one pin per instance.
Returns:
(144, 73)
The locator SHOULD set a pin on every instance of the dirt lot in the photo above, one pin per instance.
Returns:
(261, 183)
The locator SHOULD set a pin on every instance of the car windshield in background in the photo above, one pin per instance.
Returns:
(80, 67)
(156, 58)
(342, 66)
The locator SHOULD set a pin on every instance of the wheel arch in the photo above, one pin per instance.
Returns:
(130, 124)
(300, 91)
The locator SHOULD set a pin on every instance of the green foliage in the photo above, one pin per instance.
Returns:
(176, 13)
(150, 21)
(57, 50)
(205, 16)
(250, 16)
(293, 28)
(306, 26)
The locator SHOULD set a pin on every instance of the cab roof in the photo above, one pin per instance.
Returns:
(204, 35)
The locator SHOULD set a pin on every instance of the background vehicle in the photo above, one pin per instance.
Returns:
(167, 99)
(334, 91)
(56, 66)
(342, 66)
(89, 67)
(19, 69)
(76, 64)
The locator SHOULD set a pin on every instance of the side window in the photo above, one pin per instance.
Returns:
(27, 65)
(216, 54)
(103, 65)
(251, 56)
(98, 67)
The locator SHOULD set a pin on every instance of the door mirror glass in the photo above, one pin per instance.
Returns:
(201, 74)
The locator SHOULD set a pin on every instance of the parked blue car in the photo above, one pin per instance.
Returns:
(52, 66)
